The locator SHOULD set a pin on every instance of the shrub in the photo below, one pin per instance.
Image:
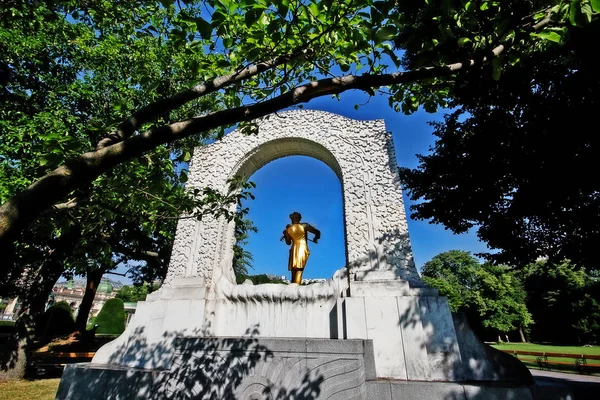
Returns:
(111, 319)
(56, 321)
(63, 305)
(6, 327)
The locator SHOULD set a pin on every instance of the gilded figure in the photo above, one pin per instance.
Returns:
(296, 235)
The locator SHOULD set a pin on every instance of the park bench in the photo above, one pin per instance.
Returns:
(545, 360)
(54, 362)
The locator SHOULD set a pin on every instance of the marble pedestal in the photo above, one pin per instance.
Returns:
(336, 339)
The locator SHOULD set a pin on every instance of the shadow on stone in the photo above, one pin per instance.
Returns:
(244, 368)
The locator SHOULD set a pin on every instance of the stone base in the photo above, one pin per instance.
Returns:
(233, 368)
(402, 390)
(251, 369)
(413, 332)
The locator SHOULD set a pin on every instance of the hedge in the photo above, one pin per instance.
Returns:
(111, 319)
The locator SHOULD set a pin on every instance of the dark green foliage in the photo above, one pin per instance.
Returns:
(564, 301)
(514, 159)
(258, 279)
(133, 293)
(56, 321)
(6, 327)
(490, 295)
(64, 306)
(242, 258)
(111, 318)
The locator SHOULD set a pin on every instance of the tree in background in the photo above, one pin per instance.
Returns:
(491, 296)
(565, 302)
(135, 293)
(111, 318)
(512, 159)
(242, 258)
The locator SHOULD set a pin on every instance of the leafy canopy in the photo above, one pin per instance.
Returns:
(565, 302)
(512, 159)
(121, 79)
(486, 292)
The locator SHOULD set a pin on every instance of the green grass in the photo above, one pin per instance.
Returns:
(7, 323)
(42, 389)
(549, 349)
(528, 360)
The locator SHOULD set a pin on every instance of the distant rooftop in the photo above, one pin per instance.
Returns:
(107, 285)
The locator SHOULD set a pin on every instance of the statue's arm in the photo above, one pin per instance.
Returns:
(286, 236)
(315, 231)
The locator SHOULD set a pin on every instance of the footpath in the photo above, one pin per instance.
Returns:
(583, 387)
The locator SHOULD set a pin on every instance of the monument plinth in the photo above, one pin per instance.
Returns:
(374, 330)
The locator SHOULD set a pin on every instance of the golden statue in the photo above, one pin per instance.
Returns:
(296, 234)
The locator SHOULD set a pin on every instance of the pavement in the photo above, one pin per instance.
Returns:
(583, 387)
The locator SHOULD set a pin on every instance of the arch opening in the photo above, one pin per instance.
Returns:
(310, 186)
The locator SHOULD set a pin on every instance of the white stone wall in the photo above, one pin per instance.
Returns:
(361, 153)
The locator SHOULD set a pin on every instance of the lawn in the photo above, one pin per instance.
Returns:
(41, 389)
(530, 360)
(595, 350)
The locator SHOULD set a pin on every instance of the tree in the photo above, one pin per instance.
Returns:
(490, 295)
(134, 293)
(249, 51)
(242, 258)
(511, 159)
(111, 318)
(565, 302)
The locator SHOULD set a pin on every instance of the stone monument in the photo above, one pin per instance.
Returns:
(372, 331)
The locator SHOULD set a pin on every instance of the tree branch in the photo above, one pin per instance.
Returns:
(42, 194)
(127, 127)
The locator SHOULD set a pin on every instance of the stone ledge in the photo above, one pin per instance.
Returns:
(403, 390)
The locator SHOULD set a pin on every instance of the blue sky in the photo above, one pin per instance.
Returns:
(318, 195)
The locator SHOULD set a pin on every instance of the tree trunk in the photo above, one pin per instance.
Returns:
(37, 288)
(18, 348)
(93, 280)
(523, 340)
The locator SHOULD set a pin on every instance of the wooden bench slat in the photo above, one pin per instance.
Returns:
(64, 355)
(565, 355)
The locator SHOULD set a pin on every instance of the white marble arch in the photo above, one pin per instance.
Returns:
(379, 297)
(362, 155)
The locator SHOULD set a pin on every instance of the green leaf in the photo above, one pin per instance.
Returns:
(576, 17)
(549, 35)
(586, 11)
(595, 4)
(497, 68)
(470, 6)
(203, 27)
(463, 40)
(252, 16)
(153, 85)
(183, 177)
(386, 33)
